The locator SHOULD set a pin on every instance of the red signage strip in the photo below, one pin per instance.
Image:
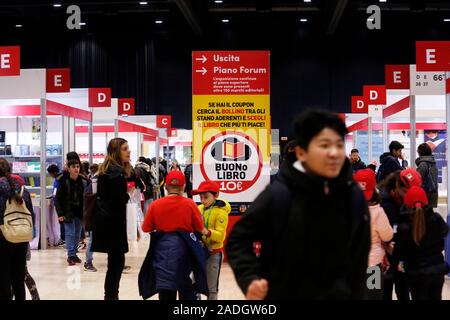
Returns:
(68, 111)
(360, 125)
(396, 107)
(96, 129)
(401, 126)
(131, 127)
(10, 61)
(230, 72)
(447, 86)
(58, 80)
(15, 111)
(397, 76)
(433, 55)
(182, 143)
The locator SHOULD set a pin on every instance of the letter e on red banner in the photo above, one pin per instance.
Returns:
(433, 55)
(125, 106)
(397, 76)
(164, 122)
(10, 61)
(58, 80)
(99, 97)
(375, 95)
(359, 105)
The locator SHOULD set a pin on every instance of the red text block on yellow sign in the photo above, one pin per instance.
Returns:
(249, 114)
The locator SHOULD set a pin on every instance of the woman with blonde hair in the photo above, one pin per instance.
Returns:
(109, 233)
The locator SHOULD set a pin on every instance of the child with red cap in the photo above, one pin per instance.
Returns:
(171, 262)
(215, 217)
(381, 230)
(419, 243)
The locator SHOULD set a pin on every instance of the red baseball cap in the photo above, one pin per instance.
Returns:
(176, 179)
(367, 182)
(411, 177)
(207, 186)
(415, 197)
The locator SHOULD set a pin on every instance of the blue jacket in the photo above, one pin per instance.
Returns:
(169, 261)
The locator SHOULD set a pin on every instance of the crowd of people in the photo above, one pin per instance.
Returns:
(329, 226)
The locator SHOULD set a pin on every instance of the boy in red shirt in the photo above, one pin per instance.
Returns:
(174, 212)
(168, 215)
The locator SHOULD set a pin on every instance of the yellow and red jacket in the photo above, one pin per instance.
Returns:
(215, 219)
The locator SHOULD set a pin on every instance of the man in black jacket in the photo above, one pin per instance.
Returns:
(70, 207)
(389, 161)
(357, 163)
(313, 223)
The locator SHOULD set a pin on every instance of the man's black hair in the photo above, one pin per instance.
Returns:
(311, 122)
(141, 159)
(354, 151)
(73, 156)
(424, 150)
(395, 145)
(73, 162)
(53, 168)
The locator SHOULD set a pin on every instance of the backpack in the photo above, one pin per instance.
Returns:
(429, 185)
(17, 221)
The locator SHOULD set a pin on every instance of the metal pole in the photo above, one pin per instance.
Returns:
(116, 128)
(43, 175)
(412, 136)
(385, 135)
(17, 131)
(157, 161)
(447, 156)
(91, 139)
(369, 140)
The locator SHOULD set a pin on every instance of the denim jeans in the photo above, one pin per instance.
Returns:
(212, 273)
(73, 232)
(89, 253)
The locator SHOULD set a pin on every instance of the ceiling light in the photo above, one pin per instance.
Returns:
(306, 0)
(57, 5)
(370, 19)
(143, 3)
(82, 23)
(18, 26)
(303, 20)
(225, 20)
(383, 0)
(446, 20)
(218, 1)
(158, 21)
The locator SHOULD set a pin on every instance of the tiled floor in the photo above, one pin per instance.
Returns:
(56, 281)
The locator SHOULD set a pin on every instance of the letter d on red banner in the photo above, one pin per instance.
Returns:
(125, 106)
(359, 105)
(99, 97)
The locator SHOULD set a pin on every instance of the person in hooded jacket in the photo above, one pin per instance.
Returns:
(109, 231)
(171, 260)
(389, 161)
(420, 240)
(215, 217)
(381, 230)
(426, 166)
(392, 192)
(313, 223)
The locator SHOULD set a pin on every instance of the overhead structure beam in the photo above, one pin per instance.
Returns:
(337, 15)
(186, 9)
